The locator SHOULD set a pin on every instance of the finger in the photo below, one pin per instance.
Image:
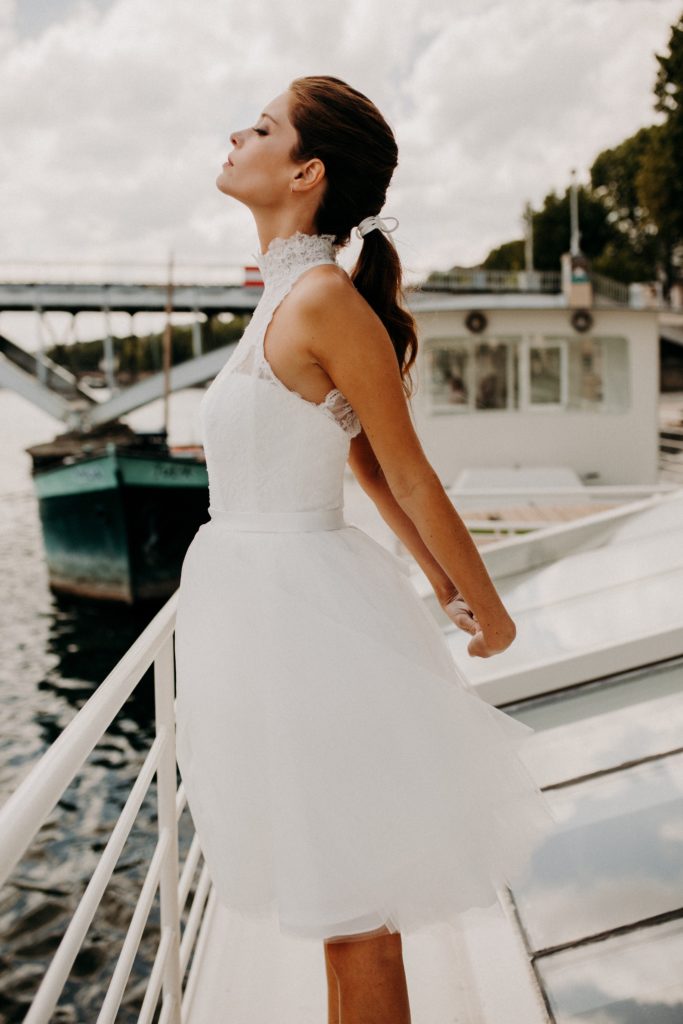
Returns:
(465, 623)
(458, 607)
(463, 620)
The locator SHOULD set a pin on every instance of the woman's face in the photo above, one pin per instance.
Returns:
(258, 170)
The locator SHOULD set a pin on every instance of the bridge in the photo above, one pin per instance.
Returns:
(204, 290)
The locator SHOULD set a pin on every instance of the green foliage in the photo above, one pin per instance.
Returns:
(631, 215)
(508, 256)
(669, 84)
(659, 181)
(633, 252)
(551, 234)
(551, 228)
(144, 354)
(613, 179)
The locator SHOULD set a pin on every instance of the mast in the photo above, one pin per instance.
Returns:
(167, 341)
(574, 247)
(528, 237)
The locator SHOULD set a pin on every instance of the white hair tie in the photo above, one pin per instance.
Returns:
(370, 223)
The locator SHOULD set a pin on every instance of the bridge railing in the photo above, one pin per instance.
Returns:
(140, 273)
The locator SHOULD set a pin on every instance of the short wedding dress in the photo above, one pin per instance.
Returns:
(340, 772)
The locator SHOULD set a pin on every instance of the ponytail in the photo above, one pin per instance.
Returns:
(377, 275)
(343, 128)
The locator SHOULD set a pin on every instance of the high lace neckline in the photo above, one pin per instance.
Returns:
(286, 257)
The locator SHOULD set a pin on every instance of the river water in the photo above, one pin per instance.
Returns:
(54, 652)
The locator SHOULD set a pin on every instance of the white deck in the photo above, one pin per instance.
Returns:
(594, 931)
(250, 973)
(608, 755)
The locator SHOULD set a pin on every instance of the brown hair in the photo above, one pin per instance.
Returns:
(343, 128)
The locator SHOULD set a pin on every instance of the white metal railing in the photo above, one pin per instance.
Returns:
(28, 807)
(616, 291)
(671, 454)
(479, 279)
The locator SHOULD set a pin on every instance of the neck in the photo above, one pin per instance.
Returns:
(281, 224)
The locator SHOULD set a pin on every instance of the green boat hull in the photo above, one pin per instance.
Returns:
(116, 526)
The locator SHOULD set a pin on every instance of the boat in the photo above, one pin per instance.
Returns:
(118, 509)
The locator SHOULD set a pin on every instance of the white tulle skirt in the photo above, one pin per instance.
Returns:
(340, 773)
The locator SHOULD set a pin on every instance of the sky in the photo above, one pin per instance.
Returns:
(116, 114)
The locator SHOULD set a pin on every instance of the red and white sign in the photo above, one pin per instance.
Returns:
(252, 277)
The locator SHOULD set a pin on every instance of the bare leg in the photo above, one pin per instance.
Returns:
(333, 1006)
(372, 980)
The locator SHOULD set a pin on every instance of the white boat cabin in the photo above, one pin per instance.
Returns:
(531, 383)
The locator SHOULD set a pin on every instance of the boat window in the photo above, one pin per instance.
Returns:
(468, 374)
(548, 374)
(597, 372)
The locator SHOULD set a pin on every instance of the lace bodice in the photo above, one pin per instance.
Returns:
(281, 265)
(286, 257)
(268, 447)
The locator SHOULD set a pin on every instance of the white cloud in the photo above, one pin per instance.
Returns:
(115, 121)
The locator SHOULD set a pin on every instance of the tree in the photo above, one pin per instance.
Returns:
(631, 217)
(551, 233)
(632, 253)
(508, 256)
(659, 181)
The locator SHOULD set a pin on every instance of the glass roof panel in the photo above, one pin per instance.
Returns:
(615, 858)
(604, 724)
(628, 587)
(626, 979)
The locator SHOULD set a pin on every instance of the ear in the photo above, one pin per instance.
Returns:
(308, 176)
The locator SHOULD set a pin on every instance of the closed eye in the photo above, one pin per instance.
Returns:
(260, 131)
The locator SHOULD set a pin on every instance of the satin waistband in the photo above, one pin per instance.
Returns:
(312, 519)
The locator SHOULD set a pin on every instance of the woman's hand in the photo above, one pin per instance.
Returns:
(459, 612)
(484, 647)
(480, 646)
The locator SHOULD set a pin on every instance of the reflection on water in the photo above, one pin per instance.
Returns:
(53, 654)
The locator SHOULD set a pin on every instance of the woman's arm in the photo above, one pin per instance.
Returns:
(376, 487)
(448, 596)
(368, 473)
(345, 336)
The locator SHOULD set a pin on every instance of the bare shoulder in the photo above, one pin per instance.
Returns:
(329, 304)
(325, 285)
(344, 335)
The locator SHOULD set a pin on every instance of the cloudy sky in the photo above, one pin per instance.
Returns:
(116, 113)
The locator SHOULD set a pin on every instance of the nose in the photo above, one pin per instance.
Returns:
(234, 138)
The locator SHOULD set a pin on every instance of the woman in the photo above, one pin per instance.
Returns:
(341, 775)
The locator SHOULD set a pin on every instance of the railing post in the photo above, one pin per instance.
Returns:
(166, 796)
(196, 334)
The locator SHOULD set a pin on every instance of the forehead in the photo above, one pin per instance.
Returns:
(278, 107)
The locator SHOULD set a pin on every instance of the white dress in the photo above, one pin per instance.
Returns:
(340, 772)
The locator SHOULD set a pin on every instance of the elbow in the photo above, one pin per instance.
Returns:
(411, 489)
